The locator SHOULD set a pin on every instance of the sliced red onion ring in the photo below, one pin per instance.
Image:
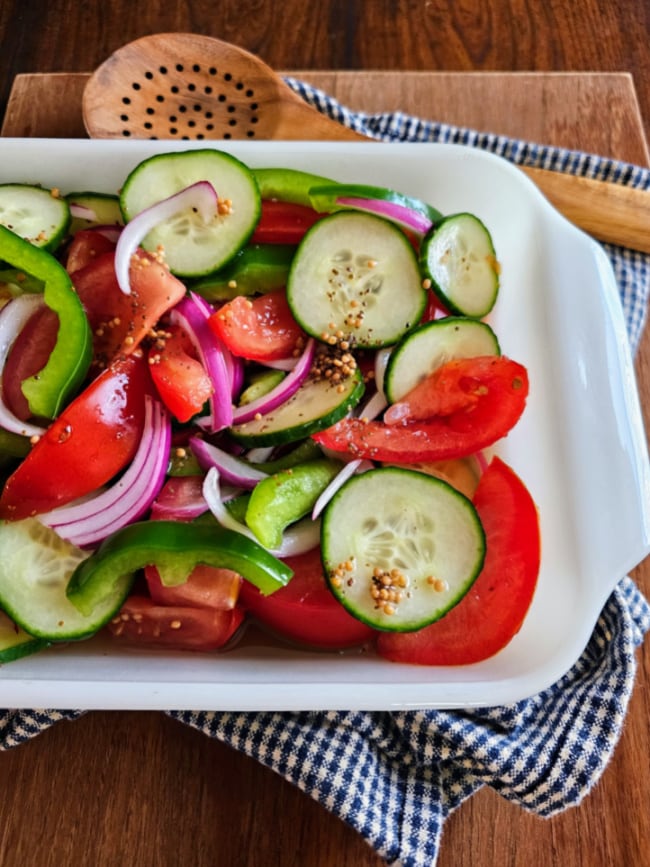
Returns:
(190, 316)
(281, 392)
(13, 318)
(282, 363)
(88, 522)
(356, 466)
(231, 469)
(297, 539)
(407, 217)
(373, 407)
(235, 365)
(201, 196)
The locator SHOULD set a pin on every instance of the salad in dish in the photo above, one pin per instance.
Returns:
(235, 395)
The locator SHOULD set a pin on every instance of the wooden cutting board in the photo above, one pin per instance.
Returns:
(131, 780)
(511, 104)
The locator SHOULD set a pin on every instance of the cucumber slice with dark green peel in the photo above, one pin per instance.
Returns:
(193, 248)
(458, 257)
(400, 548)
(40, 216)
(432, 344)
(35, 568)
(355, 276)
(333, 197)
(15, 642)
(102, 209)
(288, 185)
(257, 269)
(316, 405)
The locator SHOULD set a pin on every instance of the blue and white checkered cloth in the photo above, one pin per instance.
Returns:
(395, 777)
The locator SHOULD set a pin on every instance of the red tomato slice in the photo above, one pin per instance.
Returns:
(283, 223)
(206, 587)
(86, 245)
(261, 329)
(93, 439)
(119, 322)
(305, 611)
(492, 612)
(456, 387)
(28, 354)
(179, 627)
(501, 394)
(180, 379)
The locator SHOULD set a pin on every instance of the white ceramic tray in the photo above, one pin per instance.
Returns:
(580, 448)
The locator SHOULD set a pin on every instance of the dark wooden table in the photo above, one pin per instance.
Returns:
(137, 788)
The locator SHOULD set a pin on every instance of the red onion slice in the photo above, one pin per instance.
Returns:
(201, 196)
(235, 365)
(13, 318)
(407, 217)
(231, 469)
(297, 539)
(88, 522)
(282, 392)
(82, 212)
(190, 316)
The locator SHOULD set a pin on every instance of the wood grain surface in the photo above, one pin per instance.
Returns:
(116, 788)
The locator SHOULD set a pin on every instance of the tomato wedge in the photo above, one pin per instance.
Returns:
(180, 379)
(492, 612)
(86, 245)
(120, 322)
(500, 391)
(93, 439)
(259, 329)
(28, 354)
(176, 627)
(305, 611)
(206, 587)
(283, 222)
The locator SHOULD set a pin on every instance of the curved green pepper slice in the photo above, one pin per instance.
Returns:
(175, 548)
(66, 368)
(286, 497)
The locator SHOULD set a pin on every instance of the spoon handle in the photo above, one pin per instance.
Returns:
(609, 212)
(606, 211)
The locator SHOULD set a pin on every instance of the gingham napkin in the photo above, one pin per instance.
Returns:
(395, 777)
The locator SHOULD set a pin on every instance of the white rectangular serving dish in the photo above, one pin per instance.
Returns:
(580, 447)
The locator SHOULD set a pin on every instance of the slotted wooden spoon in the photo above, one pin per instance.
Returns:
(188, 86)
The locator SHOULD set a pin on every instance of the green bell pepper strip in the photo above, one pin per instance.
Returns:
(66, 368)
(286, 497)
(175, 548)
(288, 185)
(256, 269)
(325, 198)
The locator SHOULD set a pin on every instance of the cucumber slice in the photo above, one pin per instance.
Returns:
(192, 248)
(458, 257)
(38, 215)
(432, 344)
(405, 533)
(15, 642)
(317, 404)
(261, 383)
(35, 568)
(104, 207)
(356, 275)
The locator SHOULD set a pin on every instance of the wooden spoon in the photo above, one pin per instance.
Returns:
(187, 86)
